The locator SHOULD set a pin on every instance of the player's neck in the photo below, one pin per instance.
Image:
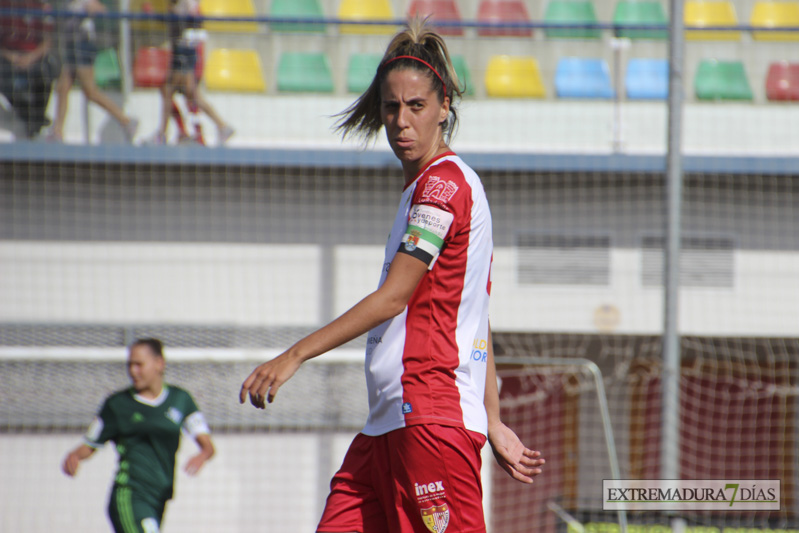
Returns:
(152, 392)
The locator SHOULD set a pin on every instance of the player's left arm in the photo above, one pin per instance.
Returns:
(196, 426)
(520, 462)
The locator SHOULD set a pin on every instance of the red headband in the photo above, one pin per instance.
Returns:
(422, 61)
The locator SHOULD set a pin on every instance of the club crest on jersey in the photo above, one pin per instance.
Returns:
(407, 408)
(174, 415)
(438, 191)
(436, 518)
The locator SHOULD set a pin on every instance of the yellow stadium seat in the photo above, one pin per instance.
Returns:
(513, 77)
(702, 14)
(366, 10)
(228, 8)
(156, 7)
(775, 15)
(234, 70)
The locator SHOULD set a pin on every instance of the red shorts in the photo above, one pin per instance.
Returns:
(418, 479)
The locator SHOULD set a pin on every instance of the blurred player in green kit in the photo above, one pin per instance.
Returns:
(145, 422)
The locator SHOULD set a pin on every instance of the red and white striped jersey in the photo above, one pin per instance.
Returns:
(428, 364)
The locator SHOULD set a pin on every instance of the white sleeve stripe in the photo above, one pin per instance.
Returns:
(195, 424)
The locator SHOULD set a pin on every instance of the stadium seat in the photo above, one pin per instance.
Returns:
(782, 82)
(297, 9)
(150, 66)
(234, 70)
(767, 14)
(439, 10)
(577, 77)
(700, 13)
(464, 75)
(635, 12)
(513, 77)
(503, 12)
(647, 79)
(366, 10)
(228, 8)
(361, 71)
(107, 73)
(148, 6)
(304, 72)
(721, 80)
(571, 12)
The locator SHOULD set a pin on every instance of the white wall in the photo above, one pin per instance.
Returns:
(215, 284)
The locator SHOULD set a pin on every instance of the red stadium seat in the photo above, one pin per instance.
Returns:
(440, 10)
(150, 66)
(499, 11)
(782, 82)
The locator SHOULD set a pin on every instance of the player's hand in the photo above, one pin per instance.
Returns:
(262, 385)
(520, 462)
(195, 464)
(70, 465)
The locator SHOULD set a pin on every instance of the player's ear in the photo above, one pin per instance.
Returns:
(444, 113)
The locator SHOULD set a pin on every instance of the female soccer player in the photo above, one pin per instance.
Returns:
(433, 397)
(145, 422)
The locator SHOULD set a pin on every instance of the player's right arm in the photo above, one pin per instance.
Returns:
(385, 303)
(73, 459)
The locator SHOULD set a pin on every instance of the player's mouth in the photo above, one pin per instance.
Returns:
(404, 143)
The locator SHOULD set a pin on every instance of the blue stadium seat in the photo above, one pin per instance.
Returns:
(577, 77)
(647, 79)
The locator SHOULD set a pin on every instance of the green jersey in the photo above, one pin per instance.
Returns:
(146, 433)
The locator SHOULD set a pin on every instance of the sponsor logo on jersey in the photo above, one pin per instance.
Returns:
(407, 408)
(137, 417)
(480, 350)
(174, 415)
(436, 190)
(436, 518)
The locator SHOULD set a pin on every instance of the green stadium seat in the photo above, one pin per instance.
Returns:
(767, 14)
(107, 73)
(513, 77)
(234, 70)
(721, 80)
(229, 8)
(439, 10)
(503, 11)
(635, 12)
(464, 75)
(361, 71)
(304, 72)
(366, 10)
(297, 9)
(702, 13)
(571, 12)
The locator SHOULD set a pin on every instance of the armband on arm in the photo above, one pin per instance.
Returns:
(427, 228)
(195, 424)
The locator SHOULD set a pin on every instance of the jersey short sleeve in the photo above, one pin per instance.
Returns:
(103, 427)
(435, 207)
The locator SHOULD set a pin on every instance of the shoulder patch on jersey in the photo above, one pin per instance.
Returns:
(438, 190)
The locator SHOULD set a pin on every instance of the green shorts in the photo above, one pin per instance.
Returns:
(129, 513)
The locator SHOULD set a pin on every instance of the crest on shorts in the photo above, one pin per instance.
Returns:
(436, 518)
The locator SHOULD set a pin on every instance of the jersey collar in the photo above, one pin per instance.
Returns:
(427, 166)
(155, 402)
